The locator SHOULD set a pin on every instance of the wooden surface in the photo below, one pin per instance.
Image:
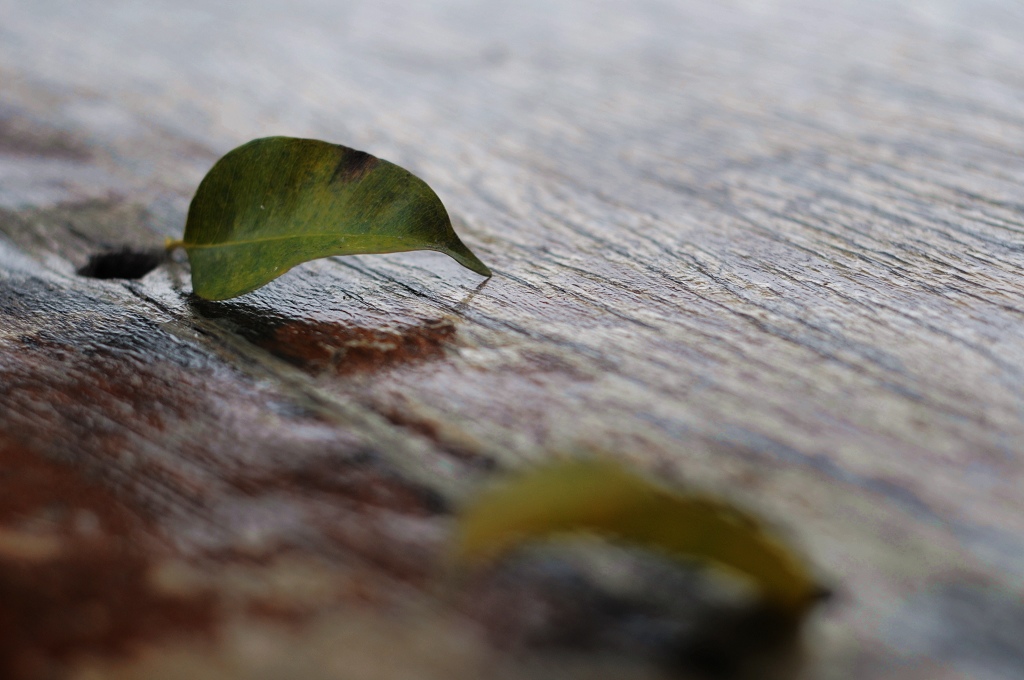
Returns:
(769, 249)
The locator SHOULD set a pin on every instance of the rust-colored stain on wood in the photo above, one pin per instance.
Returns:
(322, 346)
(101, 488)
(75, 565)
(318, 346)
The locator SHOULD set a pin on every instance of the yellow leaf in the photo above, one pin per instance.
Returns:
(602, 497)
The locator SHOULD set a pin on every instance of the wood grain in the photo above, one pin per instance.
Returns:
(770, 249)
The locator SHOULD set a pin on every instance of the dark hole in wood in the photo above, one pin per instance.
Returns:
(122, 264)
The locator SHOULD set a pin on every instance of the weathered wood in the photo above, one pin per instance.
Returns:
(770, 249)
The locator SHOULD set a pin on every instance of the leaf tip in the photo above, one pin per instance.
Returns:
(464, 256)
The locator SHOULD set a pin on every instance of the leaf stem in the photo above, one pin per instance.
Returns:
(170, 244)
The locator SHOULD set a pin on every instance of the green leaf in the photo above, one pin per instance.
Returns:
(277, 202)
(604, 498)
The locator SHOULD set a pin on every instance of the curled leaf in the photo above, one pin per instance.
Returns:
(279, 201)
(604, 498)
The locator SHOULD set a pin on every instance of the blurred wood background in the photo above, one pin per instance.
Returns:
(771, 249)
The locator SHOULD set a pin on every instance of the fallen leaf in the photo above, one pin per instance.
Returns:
(604, 498)
(277, 202)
